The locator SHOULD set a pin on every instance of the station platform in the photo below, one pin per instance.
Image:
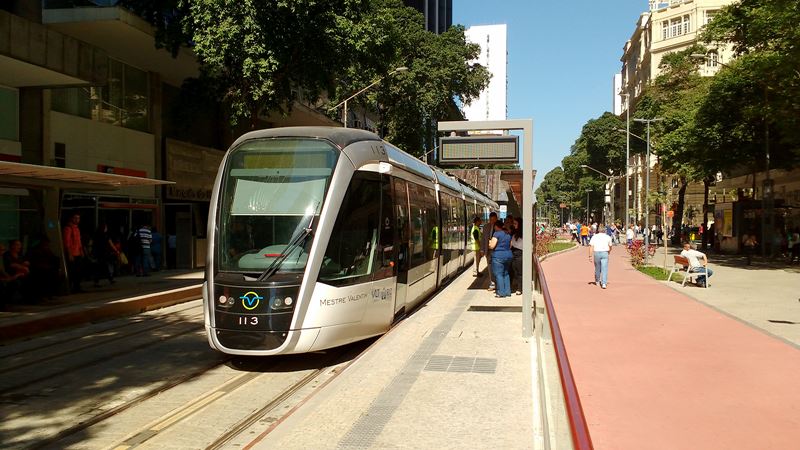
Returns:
(455, 374)
(657, 369)
(129, 295)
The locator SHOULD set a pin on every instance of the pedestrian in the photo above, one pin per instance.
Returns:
(156, 247)
(9, 284)
(750, 243)
(695, 265)
(516, 254)
(574, 230)
(475, 244)
(599, 249)
(585, 235)
(172, 250)
(509, 223)
(794, 247)
(500, 243)
(488, 230)
(105, 255)
(146, 238)
(73, 249)
(630, 234)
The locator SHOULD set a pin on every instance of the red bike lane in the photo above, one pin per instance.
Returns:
(656, 369)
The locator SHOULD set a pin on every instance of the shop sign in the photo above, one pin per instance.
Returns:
(121, 171)
(193, 169)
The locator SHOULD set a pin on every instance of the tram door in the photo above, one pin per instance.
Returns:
(402, 246)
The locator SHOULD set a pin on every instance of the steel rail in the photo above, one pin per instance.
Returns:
(579, 429)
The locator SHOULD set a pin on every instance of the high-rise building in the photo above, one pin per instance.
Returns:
(438, 13)
(492, 103)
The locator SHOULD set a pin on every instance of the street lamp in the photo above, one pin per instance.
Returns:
(609, 188)
(647, 187)
(587, 207)
(638, 167)
(344, 102)
(767, 191)
(627, 154)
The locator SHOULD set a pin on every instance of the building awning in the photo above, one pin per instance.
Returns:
(31, 175)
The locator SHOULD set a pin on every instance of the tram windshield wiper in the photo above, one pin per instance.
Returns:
(299, 238)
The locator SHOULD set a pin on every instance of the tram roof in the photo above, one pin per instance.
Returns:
(341, 137)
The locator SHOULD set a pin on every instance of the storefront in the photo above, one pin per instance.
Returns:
(35, 200)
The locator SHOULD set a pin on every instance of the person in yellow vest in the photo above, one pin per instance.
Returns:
(435, 241)
(475, 244)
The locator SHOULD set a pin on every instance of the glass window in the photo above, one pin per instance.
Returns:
(272, 194)
(74, 101)
(431, 223)
(350, 256)
(136, 99)
(417, 222)
(123, 101)
(9, 111)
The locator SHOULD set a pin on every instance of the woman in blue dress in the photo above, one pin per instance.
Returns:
(500, 243)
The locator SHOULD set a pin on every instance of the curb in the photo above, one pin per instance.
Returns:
(113, 309)
(558, 252)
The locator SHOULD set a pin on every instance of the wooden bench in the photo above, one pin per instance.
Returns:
(682, 265)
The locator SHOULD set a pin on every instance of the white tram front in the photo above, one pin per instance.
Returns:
(319, 237)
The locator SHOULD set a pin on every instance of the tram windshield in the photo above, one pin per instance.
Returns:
(272, 193)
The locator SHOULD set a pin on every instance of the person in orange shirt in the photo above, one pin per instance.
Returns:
(585, 235)
(73, 252)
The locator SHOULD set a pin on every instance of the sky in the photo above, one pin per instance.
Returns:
(562, 56)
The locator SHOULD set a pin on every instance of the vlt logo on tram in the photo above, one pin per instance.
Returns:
(251, 300)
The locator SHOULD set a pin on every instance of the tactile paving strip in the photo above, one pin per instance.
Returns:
(369, 426)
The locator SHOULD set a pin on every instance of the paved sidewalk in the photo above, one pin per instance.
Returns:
(765, 294)
(446, 377)
(129, 295)
(658, 370)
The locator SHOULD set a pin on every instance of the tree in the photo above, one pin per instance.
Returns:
(760, 91)
(391, 35)
(601, 146)
(259, 53)
(676, 96)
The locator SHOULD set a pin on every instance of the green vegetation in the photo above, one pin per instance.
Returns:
(553, 247)
(600, 146)
(659, 273)
(724, 123)
(258, 58)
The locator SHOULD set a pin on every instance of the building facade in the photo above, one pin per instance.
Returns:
(667, 27)
(492, 103)
(94, 122)
(438, 13)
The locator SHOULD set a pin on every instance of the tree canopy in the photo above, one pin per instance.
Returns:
(758, 96)
(256, 56)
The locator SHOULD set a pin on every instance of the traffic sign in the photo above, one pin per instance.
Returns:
(670, 213)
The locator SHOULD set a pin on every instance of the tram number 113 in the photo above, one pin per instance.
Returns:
(247, 320)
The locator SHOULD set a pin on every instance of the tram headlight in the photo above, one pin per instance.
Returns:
(281, 304)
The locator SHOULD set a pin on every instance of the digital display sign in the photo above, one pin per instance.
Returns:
(458, 150)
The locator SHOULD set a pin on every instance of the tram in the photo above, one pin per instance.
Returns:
(320, 236)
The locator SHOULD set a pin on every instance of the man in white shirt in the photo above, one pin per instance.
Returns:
(694, 263)
(629, 235)
(599, 249)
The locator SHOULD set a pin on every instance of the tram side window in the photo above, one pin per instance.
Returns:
(431, 223)
(350, 256)
(418, 236)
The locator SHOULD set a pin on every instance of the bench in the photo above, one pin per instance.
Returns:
(682, 265)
